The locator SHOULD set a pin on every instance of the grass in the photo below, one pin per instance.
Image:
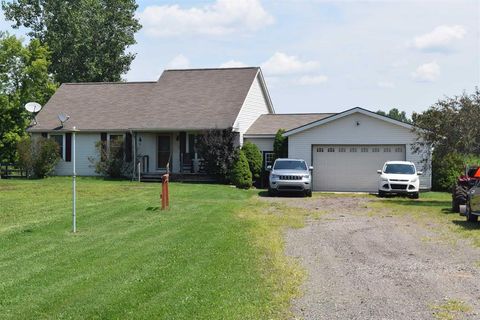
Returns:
(216, 254)
(433, 209)
(451, 309)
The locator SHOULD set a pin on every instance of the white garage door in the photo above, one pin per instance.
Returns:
(351, 167)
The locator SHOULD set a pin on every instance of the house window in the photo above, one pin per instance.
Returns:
(331, 150)
(115, 143)
(353, 149)
(319, 149)
(399, 149)
(342, 149)
(387, 150)
(269, 159)
(60, 140)
(364, 149)
(375, 149)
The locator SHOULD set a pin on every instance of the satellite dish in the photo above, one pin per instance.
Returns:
(33, 107)
(63, 118)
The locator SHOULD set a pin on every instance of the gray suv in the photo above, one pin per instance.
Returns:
(290, 175)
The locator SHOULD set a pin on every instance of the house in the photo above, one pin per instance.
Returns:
(160, 121)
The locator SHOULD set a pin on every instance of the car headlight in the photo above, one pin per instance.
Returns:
(274, 176)
(306, 176)
(414, 179)
(384, 180)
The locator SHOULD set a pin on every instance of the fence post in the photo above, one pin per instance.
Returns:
(164, 195)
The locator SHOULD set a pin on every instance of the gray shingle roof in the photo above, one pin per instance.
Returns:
(268, 124)
(192, 99)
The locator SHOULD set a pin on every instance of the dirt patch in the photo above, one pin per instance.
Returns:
(363, 266)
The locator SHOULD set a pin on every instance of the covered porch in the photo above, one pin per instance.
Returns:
(157, 153)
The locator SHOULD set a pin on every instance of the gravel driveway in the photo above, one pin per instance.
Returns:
(375, 266)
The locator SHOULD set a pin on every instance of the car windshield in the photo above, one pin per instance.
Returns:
(290, 165)
(397, 168)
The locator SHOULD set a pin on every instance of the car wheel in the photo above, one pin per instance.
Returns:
(415, 195)
(271, 192)
(471, 217)
(308, 193)
(381, 194)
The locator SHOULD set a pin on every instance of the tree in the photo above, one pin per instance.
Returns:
(451, 127)
(254, 158)
(217, 148)
(240, 174)
(88, 38)
(24, 77)
(280, 145)
(396, 114)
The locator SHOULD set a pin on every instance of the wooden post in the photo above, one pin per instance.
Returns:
(165, 196)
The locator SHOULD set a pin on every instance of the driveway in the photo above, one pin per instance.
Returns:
(372, 265)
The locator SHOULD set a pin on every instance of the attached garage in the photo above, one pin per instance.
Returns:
(347, 149)
(351, 167)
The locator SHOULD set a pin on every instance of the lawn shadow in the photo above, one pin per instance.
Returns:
(467, 225)
(152, 209)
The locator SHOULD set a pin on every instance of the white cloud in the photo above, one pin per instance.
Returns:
(386, 84)
(311, 80)
(179, 62)
(233, 64)
(427, 72)
(219, 18)
(281, 64)
(440, 38)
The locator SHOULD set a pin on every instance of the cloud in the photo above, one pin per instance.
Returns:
(311, 80)
(179, 62)
(219, 18)
(233, 64)
(440, 38)
(427, 72)
(282, 64)
(386, 84)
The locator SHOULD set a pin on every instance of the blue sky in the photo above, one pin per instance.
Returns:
(320, 56)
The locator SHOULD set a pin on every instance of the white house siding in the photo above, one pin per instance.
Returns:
(264, 144)
(344, 131)
(85, 149)
(254, 105)
(148, 146)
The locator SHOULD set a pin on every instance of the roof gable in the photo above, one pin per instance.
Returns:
(344, 114)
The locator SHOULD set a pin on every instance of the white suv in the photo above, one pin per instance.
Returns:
(290, 175)
(399, 177)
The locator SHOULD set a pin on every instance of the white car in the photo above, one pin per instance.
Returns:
(290, 175)
(399, 177)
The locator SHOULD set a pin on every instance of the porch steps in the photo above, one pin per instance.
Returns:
(178, 177)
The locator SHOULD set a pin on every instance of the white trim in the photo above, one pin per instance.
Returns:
(344, 114)
(64, 142)
(258, 136)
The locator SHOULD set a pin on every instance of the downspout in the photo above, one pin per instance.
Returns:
(134, 159)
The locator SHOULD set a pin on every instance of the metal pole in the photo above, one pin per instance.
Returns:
(74, 187)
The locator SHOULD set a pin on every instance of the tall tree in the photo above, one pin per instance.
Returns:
(88, 38)
(396, 114)
(24, 77)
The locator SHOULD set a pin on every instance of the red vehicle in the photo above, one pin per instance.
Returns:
(464, 183)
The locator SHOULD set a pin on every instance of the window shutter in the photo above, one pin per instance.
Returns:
(103, 138)
(128, 147)
(68, 147)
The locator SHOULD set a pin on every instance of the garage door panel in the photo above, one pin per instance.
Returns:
(351, 167)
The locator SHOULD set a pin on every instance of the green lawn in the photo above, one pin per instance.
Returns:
(213, 255)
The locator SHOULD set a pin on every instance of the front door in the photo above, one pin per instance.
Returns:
(163, 151)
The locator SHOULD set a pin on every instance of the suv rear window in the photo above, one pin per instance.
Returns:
(397, 168)
(290, 165)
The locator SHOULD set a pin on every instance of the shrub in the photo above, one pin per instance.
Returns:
(217, 148)
(112, 160)
(280, 145)
(446, 170)
(254, 158)
(38, 157)
(240, 174)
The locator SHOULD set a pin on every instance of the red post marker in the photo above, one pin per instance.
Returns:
(164, 195)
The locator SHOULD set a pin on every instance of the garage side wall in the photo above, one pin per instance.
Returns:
(264, 144)
(356, 129)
